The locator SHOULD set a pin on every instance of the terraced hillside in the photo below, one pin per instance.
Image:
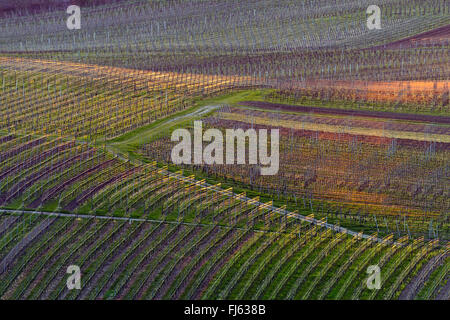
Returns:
(92, 102)
(136, 259)
(182, 238)
(357, 161)
(86, 176)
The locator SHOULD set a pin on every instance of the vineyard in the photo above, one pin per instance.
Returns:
(94, 102)
(134, 259)
(355, 164)
(87, 178)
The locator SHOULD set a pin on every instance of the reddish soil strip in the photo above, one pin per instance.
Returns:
(218, 265)
(148, 258)
(436, 34)
(27, 182)
(61, 273)
(419, 280)
(211, 252)
(6, 138)
(40, 252)
(344, 137)
(12, 152)
(444, 293)
(90, 192)
(36, 159)
(98, 252)
(193, 252)
(347, 112)
(170, 256)
(124, 264)
(19, 247)
(55, 257)
(115, 254)
(7, 223)
(58, 189)
(347, 122)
